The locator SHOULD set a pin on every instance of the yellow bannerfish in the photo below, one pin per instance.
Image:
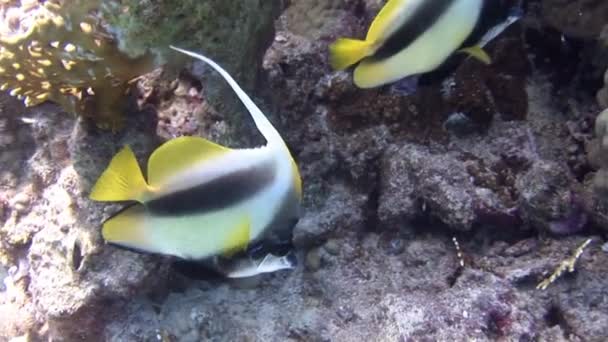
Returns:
(202, 199)
(409, 37)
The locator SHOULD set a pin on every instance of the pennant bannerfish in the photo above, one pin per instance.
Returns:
(202, 199)
(409, 37)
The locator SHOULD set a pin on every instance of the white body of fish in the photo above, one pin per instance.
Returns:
(197, 236)
(427, 51)
(256, 189)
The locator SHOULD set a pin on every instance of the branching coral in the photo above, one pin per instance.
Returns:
(64, 54)
(566, 265)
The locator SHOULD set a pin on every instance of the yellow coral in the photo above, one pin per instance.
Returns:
(66, 57)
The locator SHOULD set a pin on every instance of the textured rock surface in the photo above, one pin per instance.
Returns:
(361, 293)
(602, 94)
(50, 227)
(597, 154)
(580, 18)
(237, 33)
(70, 281)
(388, 181)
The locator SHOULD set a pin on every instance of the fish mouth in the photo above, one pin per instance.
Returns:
(292, 259)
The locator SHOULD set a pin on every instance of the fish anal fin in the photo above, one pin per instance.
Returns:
(121, 181)
(345, 52)
(478, 53)
(238, 238)
(127, 228)
(297, 180)
(178, 154)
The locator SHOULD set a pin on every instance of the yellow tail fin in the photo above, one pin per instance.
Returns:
(121, 181)
(345, 52)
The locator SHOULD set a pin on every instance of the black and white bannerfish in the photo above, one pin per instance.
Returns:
(413, 37)
(202, 199)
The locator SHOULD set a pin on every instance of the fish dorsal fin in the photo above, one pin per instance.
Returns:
(122, 180)
(179, 154)
(266, 128)
(384, 19)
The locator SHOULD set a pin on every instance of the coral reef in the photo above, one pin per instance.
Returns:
(361, 293)
(69, 288)
(234, 32)
(150, 26)
(62, 53)
(492, 157)
(60, 47)
(50, 228)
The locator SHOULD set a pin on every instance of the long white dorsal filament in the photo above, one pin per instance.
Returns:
(265, 127)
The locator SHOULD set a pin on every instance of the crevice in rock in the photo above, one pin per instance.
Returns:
(372, 221)
(77, 255)
(555, 316)
(453, 278)
(486, 234)
(527, 282)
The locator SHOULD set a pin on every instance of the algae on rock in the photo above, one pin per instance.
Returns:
(234, 33)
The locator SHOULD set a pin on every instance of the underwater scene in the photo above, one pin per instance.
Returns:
(303, 170)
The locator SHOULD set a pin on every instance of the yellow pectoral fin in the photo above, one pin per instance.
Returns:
(121, 181)
(345, 52)
(238, 238)
(478, 53)
(179, 154)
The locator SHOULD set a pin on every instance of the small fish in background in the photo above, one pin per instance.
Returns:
(413, 37)
(201, 199)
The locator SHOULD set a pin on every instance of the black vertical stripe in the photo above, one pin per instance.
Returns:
(219, 193)
(493, 12)
(423, 19)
